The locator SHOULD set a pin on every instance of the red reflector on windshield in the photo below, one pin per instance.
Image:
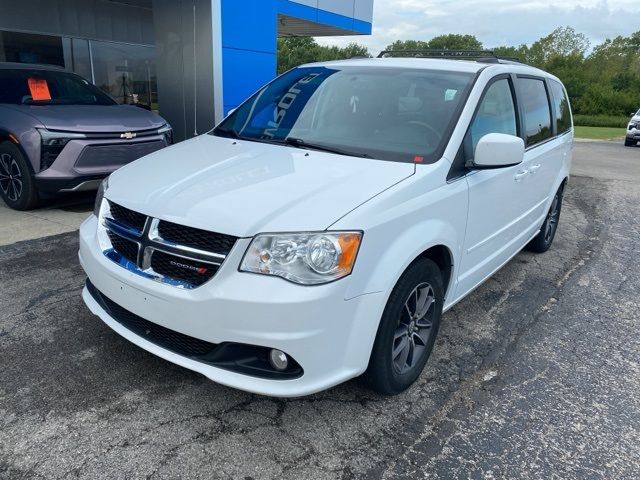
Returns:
(418, 159)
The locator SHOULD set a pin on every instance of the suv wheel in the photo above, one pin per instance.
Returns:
(17, 186)
(542, 242)
(407, 330)
(629, 143)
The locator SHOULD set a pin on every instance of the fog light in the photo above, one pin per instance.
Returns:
(278, 359)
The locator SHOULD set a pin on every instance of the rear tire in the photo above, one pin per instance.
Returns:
(407, 330)
(17, 186)
(542, 242)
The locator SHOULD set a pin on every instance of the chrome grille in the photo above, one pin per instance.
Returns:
(188, 259)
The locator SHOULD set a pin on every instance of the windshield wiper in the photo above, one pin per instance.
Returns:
(300, 143)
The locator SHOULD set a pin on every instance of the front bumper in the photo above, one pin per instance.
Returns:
(71, 184)
(330, 337)
(633, 134)
(82, 164)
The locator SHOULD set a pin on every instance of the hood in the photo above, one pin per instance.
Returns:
(92, 118)
(242, 188)
(635, 118)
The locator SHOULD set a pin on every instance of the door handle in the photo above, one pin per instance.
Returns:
(534, 168)
(520, 175)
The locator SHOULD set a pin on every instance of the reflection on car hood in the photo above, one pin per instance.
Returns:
(92, 118)
(242, 188)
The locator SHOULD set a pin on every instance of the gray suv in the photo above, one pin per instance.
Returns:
(633, 130)
(60, 133)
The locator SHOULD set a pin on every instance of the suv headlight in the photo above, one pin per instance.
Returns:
(100, 196)
(167, 131)
(306, 258)
(52, 144)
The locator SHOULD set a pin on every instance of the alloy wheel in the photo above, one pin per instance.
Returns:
(552, 219)
(414, 328)
(10, 177)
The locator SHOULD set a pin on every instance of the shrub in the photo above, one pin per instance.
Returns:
(600, 121)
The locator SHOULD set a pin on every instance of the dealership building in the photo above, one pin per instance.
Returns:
(192, 60)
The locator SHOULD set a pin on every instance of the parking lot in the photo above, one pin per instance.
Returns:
(535, 375)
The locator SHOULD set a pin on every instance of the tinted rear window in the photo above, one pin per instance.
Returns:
(43, 87)
(535, 105)
(561, 106)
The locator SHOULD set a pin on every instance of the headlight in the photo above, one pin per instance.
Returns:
(100, 195)
(167, 131)
(304, 258)
(52, 144)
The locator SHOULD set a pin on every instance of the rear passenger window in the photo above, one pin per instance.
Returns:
(561, 106)
(496, 113)
(535, 106)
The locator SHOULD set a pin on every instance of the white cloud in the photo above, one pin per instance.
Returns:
(495, 22)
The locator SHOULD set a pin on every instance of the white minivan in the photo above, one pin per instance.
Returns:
(320, 231)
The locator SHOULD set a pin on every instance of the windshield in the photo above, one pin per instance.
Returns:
(46, 87)
(385, 113)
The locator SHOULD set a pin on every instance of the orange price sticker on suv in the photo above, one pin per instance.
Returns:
(39, 89)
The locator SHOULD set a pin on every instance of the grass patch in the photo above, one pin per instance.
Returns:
(599, 133)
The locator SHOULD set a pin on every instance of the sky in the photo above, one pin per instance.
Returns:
(495, 22)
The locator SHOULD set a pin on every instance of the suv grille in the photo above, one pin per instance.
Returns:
(193, 272)
(196, 238)
(178, 255)
(124, 247)
(127, 217)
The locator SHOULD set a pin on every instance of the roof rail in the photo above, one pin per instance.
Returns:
(433, 53)
(485, 56)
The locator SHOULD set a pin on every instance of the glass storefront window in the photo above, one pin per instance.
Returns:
(126, 72)
(30, 48)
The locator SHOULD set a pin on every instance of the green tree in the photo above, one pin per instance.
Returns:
(455, 42)
(442, 42)
(294, 51)
(562, 42)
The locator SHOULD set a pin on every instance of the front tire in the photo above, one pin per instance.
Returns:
(17, 186)
(407, 330)
(629, 143)
(542, 242)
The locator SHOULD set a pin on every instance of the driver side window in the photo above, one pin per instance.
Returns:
(496, 113)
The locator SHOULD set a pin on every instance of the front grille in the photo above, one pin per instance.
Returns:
(115, 155)
(124, 247)
(166, 258)
(127, 217)
(190, 271)
(161, 336)
(196, 238)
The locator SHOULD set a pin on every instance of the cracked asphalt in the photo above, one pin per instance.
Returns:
(535, 375)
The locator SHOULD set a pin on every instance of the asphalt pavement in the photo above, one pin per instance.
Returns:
(535, 375)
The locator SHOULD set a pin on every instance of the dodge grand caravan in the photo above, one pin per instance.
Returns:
(320, 231)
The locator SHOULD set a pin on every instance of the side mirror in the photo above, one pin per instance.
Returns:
(496, 150)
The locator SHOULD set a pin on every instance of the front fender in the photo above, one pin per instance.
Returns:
(401, 224)
(387, 261)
